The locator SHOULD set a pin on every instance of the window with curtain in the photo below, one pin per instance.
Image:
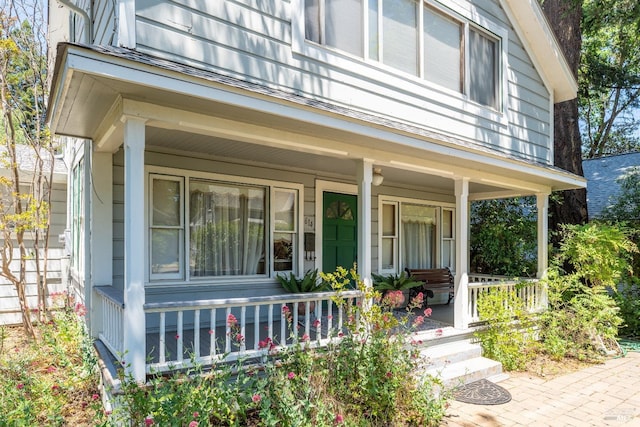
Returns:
(414, 235)
(415, 37)
(418, 236)
(226, 229)
(206, 228)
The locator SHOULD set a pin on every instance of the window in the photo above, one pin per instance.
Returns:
(229, 228)
(414, 37)
(77, 217)
(422, 238)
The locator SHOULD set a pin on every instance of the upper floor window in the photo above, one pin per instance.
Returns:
(413, 37)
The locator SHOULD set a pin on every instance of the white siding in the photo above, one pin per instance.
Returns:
(252, 40)
(57, 263)
(104, 22)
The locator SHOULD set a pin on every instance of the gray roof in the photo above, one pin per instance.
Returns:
(27, 159)
(602, 175)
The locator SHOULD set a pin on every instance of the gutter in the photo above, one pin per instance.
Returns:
(88, 30)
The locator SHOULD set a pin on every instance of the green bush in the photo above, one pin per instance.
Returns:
(508, 332)
(628, 300)
(366, 376)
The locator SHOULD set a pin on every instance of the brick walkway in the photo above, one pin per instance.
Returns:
(600, 395)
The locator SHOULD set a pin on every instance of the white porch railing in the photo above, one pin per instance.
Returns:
(531, 291)
(200, 332)
(111, 303)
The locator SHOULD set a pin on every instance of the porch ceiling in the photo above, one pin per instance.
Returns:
(193, 114)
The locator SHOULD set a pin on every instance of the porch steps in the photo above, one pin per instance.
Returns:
(460, 362)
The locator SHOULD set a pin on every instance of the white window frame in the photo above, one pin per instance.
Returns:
(399, 201)
(181, 227)
(296, 261)
(410, 83)
(270, 187)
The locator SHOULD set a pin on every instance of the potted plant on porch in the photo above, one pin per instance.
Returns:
(395, 287)
(305, 284)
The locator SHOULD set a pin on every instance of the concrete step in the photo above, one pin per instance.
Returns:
(452, 352)
(464, 372)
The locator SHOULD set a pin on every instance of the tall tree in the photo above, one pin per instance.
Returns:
(569, 207)
(24, 213)
(610, 76)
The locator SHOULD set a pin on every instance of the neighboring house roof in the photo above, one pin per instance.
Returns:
(602, 176)
(27, 161)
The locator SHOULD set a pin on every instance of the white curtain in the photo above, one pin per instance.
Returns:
(226, 231)
(418, 239)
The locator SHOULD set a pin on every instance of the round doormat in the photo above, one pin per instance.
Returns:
(482, 392)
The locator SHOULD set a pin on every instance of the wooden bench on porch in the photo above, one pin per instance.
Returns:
(435, 280)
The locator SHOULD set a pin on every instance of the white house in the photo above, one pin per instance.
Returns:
(217, 144)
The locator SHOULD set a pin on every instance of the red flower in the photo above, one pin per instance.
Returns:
(339, 419)
(256, 398)
(231, 320)
(95, 396)
(428, 311)
(20, 386)
(291, 375)
(148, 421)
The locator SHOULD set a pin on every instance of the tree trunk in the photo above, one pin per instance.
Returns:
(565, 17)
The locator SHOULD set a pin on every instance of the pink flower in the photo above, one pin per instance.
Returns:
(51, 369)
(418, 321)
(339, 419)
(438, 332)
(107, 413)
(148, 421)
(291, 375)
(55, 388)
(80, 309)
(210, 331)
(256, 398)
(340, 334)
(285, 309)
(418, 300)
(428, 311)
(20, 386)
(329, 317)
(231, 320)
(196, 414)
(95, 396)
(239, 337)
(388, 374)
(177, 337)
(316, 323)
(193, 423)
(305, 337)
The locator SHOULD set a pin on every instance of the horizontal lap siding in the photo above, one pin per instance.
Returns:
(251, 40)
(56, 263)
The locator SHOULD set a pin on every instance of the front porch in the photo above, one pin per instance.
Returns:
(181, 334)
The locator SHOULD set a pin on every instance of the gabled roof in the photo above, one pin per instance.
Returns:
(26, 157)
(537, 35)
(602, 179)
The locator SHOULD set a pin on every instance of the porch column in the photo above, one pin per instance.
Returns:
(542, 201)
(461, 299)
(134, 248)
(364, 176)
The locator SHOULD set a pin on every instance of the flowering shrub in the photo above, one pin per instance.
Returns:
(366, 376)
(45, 381)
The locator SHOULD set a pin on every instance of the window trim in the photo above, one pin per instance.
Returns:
(407, 82)
(399, 201)
(181, 227)
(186, 175)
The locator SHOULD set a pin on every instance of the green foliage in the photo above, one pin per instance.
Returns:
(628, 300)
(599, 254)
(581, 320)
(609, 77)
(43, 381)
(365, 377)
(503, 237)
(307, 283)
(398, 282)
(508, 334)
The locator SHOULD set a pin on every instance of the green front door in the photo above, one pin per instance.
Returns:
(339, 231)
